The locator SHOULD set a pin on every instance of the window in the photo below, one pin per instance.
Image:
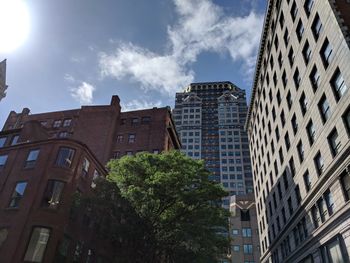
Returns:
(308, 6)
(17, 194)
(2, 141)
(245, 216)
(300, 30)
(333, 251)
(63, 134)
(307, 181)
(280, 59)
(326, 52)
(85, 168)
(131, 138)
(306, 52)
(52, 194)
(300, 149)
(284, 78)
(296, 78)
(246, 232)
(248, 249)
(283, 118)
(319, 164)
(57, 124)
(323, 107)
(3, 159)
(235, 232)
(135, 121)
(286, 37)
(236, 248)
(287, 141)
(277, 132)
(67, 122)
(14, 140)
(334, 142)
(329, 202)
(285, 180)
(65, 157)
(291, 56)
(37, 244)
(146, 120)
(280, 153)
(303, 103)
(3, 235)
(346, 119)
(338, 84)
(297, 194)
(294, 10)
(314, 78)
(281, 20)
(294, 124)
(292, 166)
(316, 27)
(31, 158)
(310, 129)
(278, 96)
(129, 153)
(95, 176)
(345, 181)
(289, 99)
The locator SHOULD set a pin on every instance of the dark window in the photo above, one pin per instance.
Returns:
(319, 164)
(297, 194)
(328, 197)
(285, 180)
(280, 153)
(296, 78)
(300, 149)
(281, 20)
(2, 141)
(135, 121)
(62, 250)
(146, 120)
(326, 53)
(346, 119)
(291, 56)
(3, 235)
(277, 132)
(294, 10)
(284, 78)
(289, 99)
(3, 159)
(292, 166)
(294, 124)
(307, 181)
(278, 96)
(131, 138)
(323, 107)
(283, 118)
(300, 30)
(286, 37)
(314, 78)
(308, 6)
(310, 129)
(37, 244)
(120, 138)
(245, 216)
(316, 27)
(17, 194)
(67, 122)
(303, 103)
(65, 157)
(345, 181)
(52, 195)
(338, 84)
(287, 141)
(122, 121)
(57, 124)
(31, 158)
(334, 142)
(280, 59)
(306, 52)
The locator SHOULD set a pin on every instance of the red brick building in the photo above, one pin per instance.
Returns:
(46, 158)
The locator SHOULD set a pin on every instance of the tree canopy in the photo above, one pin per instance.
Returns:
(174, 212)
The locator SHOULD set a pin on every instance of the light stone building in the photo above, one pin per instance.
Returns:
(3, 85)
(299, 128)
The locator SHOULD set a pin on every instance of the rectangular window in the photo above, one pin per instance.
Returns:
(306, 52)
(314, 78)
(316, 27)
(119, 138)
(326, 53)
(17, 194)
(338, 84)
(345, 181)
(319, 164)
(3, 159)
(14, 140)
(57, 124)
(2, 141)
(248, 249)
(307, 181)
(67, 122)
(333, 251)
(131, 138)
(245, 215)
(31, 158)
(52, 194)
(334, 142)
(310, 129)
(300, 149)
(65, 157)
(135, 121)
(328, 197)
(95, 176)
(246, 232)
(85, 167)
(146, 120)
(323, 107)
(37, 244)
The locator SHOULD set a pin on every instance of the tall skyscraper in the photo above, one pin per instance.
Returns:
(299, 132)
(3, 85)
(209, 118)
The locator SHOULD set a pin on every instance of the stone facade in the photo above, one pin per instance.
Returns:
(299, 128)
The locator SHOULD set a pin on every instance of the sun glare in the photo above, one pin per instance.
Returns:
(14, 24)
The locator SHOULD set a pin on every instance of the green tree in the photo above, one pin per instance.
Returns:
(176, 214)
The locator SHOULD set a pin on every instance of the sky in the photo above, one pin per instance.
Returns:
(81, 52)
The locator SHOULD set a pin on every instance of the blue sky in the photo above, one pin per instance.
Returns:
(81, 52)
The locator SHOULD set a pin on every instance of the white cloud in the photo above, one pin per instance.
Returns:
(139, 104)
(69, 78)
(202, 26)
(83, 93)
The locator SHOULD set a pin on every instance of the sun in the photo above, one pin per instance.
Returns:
(14, 24)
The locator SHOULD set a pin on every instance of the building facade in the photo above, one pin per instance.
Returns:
(46, 159)
(209, 118)
(3, 85)
(299, 128)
